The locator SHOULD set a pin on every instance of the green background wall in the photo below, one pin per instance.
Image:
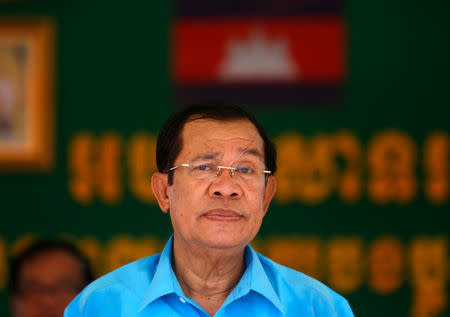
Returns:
(112, 76)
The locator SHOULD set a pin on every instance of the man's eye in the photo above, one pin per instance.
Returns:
(244, 170)
(202, 167)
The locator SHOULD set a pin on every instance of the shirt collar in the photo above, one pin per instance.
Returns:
(254, 278)
(164, 280)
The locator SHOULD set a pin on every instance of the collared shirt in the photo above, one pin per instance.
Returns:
(149, 287)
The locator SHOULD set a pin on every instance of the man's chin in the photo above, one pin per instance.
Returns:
(223, 241)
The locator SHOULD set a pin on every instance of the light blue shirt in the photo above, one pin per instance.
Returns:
(149, 287)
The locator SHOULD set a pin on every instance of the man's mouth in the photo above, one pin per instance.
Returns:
(226, 215)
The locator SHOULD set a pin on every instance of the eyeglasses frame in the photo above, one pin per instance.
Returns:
(219, 169)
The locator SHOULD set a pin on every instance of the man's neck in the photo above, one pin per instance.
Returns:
(207, 275)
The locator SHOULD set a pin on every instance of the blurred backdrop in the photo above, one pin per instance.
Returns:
(355, 94)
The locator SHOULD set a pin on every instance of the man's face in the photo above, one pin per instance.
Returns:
(47, 284)
(221, 211)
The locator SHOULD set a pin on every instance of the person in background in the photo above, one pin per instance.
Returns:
(45, 277)
(215, 181)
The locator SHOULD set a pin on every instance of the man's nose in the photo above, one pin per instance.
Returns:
(225, 185)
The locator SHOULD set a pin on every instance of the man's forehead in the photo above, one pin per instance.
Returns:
(210, 136)
(221, 130)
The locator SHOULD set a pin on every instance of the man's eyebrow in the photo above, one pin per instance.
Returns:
(215, 155)
(205, 157)
(253, 152)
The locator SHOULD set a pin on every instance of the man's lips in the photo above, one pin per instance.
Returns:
(223, 215)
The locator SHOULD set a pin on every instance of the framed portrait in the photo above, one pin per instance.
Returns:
(26, 90)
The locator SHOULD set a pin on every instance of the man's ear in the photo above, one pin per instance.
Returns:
(269, 192)
(160, 187)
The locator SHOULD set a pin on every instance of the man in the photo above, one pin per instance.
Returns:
(45, 277)
(215, 180)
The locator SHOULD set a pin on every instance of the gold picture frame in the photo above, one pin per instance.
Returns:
(26, 78)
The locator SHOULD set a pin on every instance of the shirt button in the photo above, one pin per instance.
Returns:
(182, 300)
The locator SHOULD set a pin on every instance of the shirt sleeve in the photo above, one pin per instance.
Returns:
(344, 310)
(72, 311)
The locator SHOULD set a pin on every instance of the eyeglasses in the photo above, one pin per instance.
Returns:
(243, 171)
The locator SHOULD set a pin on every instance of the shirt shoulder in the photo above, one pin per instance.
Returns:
(125, 285)
(296, 289)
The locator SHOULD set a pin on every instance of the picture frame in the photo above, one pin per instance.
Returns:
(26, 95)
